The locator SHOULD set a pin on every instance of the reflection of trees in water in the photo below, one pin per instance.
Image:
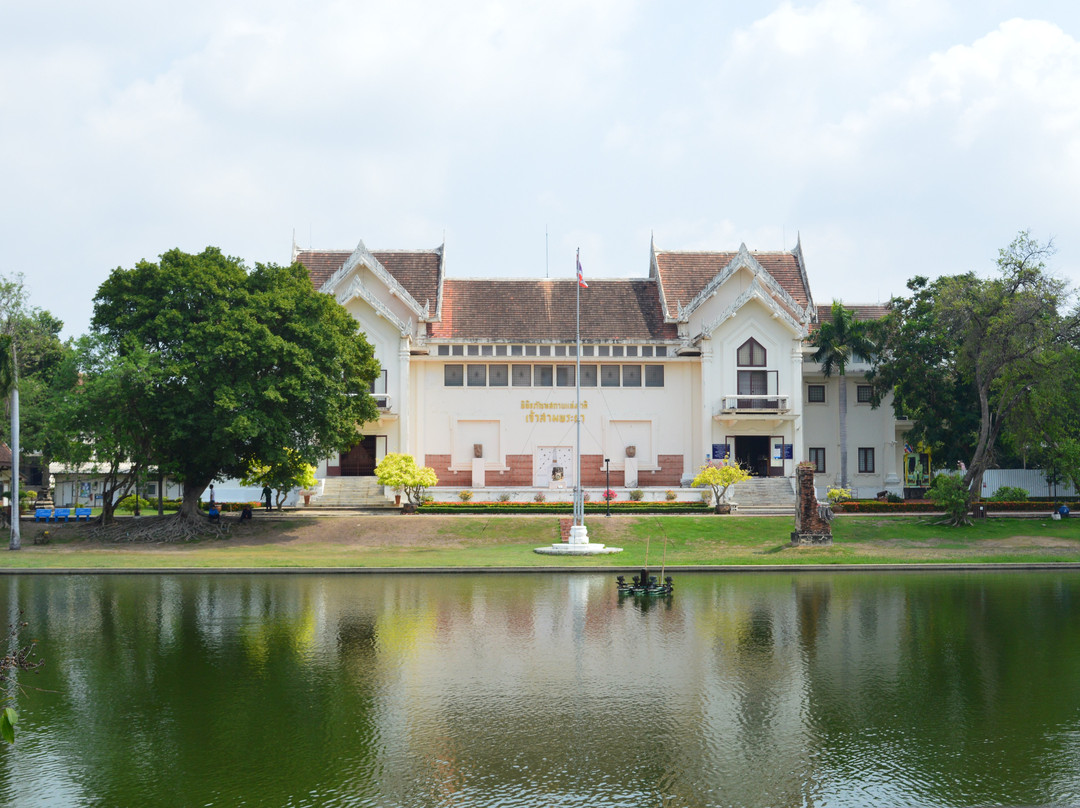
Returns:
(785, 689)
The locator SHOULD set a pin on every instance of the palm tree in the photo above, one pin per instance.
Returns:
(836, 341)
(9, 383)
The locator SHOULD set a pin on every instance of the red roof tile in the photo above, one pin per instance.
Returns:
(685, 274)
(536, 310)
(416, 270)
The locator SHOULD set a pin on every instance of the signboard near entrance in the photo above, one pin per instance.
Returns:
(720, 451)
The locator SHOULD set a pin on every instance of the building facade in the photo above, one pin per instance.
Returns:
(705, 357)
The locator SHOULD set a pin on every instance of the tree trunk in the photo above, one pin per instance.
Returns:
(843, 431)
(189, 506)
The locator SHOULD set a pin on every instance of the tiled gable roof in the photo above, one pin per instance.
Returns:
(322, 264)
(862, 311)
(416, 270)
(536, 310)
(685, 274)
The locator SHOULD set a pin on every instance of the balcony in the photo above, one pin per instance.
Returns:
(757, 404)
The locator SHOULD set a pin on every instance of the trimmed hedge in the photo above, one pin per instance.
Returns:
(595, 508)
(924, 506)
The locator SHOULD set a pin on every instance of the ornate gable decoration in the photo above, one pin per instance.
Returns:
(357, 289)
(361, 256)
(755, 290)
(764, 286)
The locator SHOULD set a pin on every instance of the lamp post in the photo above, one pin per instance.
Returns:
(607, 485)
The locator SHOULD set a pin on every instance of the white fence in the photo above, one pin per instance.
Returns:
(1031, 480)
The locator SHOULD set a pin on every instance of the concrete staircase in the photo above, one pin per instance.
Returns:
(764, 495)
(351, 492)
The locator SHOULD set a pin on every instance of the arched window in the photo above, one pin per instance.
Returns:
(753, 382)
(751, 354)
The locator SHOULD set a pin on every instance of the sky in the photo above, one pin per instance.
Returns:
(895, 138)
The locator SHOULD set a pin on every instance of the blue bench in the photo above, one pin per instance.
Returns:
(42, 513)
(58, 512)
(81, 512)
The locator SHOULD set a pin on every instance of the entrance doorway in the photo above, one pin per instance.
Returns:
(752, 453)
(361, 459)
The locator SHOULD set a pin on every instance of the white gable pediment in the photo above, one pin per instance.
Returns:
(357, 290)
(759, 292)
(362, 258)
(763, 282)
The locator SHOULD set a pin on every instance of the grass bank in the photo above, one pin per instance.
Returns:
(508, 541)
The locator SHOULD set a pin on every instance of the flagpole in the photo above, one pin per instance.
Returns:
(579, 502)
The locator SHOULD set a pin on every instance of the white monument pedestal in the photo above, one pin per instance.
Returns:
(478, 472)
(578, 545)
(630, 472)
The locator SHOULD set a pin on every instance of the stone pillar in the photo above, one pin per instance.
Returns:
(401, 406)
(798, 452)
(811, 520)
(630, 472)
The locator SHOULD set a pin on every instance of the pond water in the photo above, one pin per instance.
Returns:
(803, 689)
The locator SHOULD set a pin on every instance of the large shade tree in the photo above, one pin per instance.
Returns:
(837, 340)
(236, 367)
(962, 353)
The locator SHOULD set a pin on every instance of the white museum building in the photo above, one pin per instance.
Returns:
(705, 356)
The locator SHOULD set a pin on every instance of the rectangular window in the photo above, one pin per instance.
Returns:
(521, 375)
(654, 375)
(498, 375)
(588, 375)
(866, 461)
(457, 350)
(444, 350)
(815, 393)
(564, 376)
(500, 350)
(646, 350)
(817, 457)
(474, 350)
(661, 350)
(586, 350)
(864, 393)
(477, 375)
(631, 350)
(602, 350)
(542, 376)
(545, 350)
(560, 350)
(453, 375)
(516, 350)
(485, 350)
(151, 489)
(616, 350)
(609, 375)
(631, 376)
(530, 350)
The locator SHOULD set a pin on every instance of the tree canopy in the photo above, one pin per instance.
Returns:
(962, 352)
(235, 367)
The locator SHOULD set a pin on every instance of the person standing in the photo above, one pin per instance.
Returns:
(267, 493)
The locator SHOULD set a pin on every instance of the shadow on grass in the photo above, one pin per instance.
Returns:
(778, 549)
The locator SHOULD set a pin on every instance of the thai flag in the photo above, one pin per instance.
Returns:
(580, 274)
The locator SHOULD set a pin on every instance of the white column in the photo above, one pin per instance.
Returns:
(795, 401)
(403, 408)
(709, 401)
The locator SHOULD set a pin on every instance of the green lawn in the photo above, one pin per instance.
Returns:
(508, 541)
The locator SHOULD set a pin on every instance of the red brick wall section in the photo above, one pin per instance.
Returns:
(519, 475)
(441, 464)
(669, 475)
(592, 472)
